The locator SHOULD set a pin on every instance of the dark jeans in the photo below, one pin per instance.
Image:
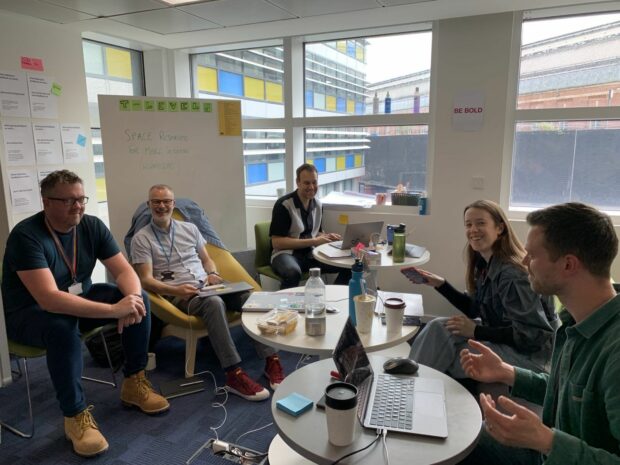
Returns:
(489, 451)
(291, 267)
(60, 335)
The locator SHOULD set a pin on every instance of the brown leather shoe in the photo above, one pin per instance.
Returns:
(137, 391)
(83, 432)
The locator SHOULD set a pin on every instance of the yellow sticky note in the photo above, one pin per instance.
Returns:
(343, 219)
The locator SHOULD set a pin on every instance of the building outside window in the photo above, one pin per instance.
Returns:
(110, 70)
(567, 126)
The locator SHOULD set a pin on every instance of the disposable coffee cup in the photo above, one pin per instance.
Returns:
(364, 311)
(394, 309)
(151, 363)
(341, 413)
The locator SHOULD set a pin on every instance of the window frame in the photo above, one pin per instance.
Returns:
(515, 116)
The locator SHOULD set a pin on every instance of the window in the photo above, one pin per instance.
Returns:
(110, 70)
(567, 125)
(263, 152)
(254, 76)
(368, 160)
(372, 75)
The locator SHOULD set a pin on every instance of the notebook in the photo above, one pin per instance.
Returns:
(421, 401)
(357, 232)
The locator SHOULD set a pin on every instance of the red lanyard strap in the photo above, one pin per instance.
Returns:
(61, 250)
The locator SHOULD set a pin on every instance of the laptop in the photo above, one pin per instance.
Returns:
(224, 288)
(421, 401)
(357, 232)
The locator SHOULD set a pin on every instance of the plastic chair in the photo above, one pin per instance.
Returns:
(24, 352)
(262, 259)
(191, 328)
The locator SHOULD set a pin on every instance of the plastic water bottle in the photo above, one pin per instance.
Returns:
(314, 303)
(357, 286)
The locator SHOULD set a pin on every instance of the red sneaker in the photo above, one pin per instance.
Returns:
(274, 371)
(239, 383)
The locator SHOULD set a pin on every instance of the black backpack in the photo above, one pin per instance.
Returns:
(94, 344)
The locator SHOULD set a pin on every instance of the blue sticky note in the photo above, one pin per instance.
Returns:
(81, 140)
(294, 404)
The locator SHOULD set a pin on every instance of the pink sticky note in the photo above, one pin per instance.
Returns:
(34, 64)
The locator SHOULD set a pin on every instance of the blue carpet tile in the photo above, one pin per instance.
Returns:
(135, 438)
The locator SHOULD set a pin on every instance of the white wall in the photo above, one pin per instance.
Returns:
(61, 52)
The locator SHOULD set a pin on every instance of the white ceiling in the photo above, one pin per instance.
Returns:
(210, 22)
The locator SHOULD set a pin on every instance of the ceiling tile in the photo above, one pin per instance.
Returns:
(108, 7)
(53, 13)
(402, 2)
(305, 8)
(237, 12)
(168, 21)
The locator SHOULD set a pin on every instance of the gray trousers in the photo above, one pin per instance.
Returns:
(212, 311)
(438, 348)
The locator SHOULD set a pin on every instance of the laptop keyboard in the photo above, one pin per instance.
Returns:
(393, 402)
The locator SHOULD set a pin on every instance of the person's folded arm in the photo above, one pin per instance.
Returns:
(459, 299)
(149, 283)
(286, 243)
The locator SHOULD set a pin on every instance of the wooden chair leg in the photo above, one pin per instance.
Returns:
(191, 344)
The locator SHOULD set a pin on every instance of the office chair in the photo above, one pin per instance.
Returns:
(262, 259)
(191, 328)
(24, 352)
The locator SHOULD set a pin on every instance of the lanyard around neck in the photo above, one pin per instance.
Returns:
(71, 264)
(167, 256)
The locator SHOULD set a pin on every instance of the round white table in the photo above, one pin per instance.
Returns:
(306, 435)
(297, 341)
(319, 253)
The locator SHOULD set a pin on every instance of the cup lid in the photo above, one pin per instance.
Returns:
(341, 396)
(394, 302)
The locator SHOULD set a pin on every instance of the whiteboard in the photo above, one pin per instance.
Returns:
(193, 145)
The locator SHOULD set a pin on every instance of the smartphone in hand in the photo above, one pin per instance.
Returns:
(414, 275)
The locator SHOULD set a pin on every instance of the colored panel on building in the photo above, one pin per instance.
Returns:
(275, 171)
(358, 160)
(359, 108)
(330, 165)
(309, 99)
(351, 48)
(207, 79)
(341, 105)
(341, 163)
(330, 103)
(254, 88)
(274, 92)
(341, 46)
(350, 106)
(350, 161)
(93, 59)
(230, 83)
(319, 101)
(320, 164)
(256, 173)
(118, 62)
(359, 53)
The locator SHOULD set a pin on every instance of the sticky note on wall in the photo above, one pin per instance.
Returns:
(343, 219)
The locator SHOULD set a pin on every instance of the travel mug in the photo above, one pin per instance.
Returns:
(341, 413)
(394, 309)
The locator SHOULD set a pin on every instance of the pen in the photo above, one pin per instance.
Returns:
(193, 382)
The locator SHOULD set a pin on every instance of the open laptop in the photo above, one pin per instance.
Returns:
(357, 232)
(422, 401)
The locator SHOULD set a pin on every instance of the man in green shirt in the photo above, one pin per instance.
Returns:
(570, 249)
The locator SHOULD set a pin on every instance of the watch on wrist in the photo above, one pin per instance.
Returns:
(209, 273)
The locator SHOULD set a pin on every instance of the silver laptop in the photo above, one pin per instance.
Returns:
(358, 232)
(403, 403)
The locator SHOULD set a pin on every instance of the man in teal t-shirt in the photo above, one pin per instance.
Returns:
(49, 300)
(570, 249)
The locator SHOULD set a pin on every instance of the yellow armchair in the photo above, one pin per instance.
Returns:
(190, 328)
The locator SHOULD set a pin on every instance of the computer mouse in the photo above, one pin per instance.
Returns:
(400, 366)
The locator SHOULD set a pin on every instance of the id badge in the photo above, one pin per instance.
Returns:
(167, 275)
(75, 289)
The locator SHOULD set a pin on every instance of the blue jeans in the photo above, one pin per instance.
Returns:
(59, 335)
(290, 267)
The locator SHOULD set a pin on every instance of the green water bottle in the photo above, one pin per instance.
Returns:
(398, 245)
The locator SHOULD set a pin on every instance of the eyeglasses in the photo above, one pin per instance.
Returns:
(165, 202)
(71, 201)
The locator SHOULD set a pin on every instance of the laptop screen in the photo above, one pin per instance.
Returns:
(350, 357)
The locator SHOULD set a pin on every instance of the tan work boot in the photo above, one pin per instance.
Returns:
(137, 391)
(83, 432)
